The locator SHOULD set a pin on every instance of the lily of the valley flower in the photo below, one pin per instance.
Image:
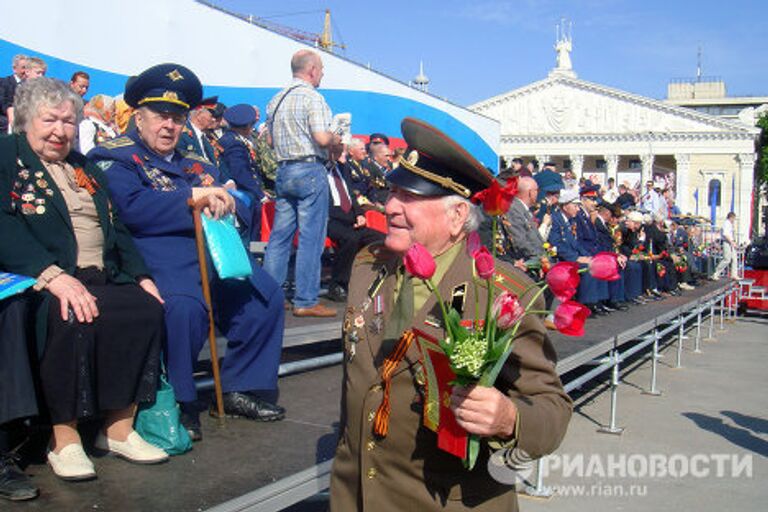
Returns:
(418, 262)
(469, 355)
(570, 317)
(563, 279)
(605, 266)
(507, 310)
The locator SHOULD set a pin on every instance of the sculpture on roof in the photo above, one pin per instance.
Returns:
(564, 45)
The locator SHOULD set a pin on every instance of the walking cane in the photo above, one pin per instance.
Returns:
(197, 207)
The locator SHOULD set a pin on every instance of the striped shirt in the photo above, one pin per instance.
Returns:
(302, 112)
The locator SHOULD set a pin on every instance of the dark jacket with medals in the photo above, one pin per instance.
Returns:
(406, 470)
(37, 227)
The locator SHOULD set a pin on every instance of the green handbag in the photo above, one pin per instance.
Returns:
(158, 422)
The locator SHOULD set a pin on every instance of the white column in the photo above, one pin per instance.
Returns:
(577, 165)
(542, 160)
(743, 201)
(612, 167)
(683, 194)
(647, 173)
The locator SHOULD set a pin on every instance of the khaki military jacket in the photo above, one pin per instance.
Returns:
(405, 470)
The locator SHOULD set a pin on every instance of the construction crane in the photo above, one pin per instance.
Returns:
(323, 40)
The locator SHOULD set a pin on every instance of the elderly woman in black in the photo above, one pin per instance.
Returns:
(99, 316)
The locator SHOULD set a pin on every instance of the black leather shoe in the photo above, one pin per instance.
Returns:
(243, 405)
(336, 293)
(616, 306)
(596, 311)
(190, 420)
(14, 484)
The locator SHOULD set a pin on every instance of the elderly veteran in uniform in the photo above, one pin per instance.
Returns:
(239, 156)
(99, 318)
(527, 411)
(151, 182)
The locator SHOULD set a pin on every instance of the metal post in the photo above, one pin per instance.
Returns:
(654, 362)
(729, 300)
(611, 428)
(681, 326)
(722, 312)
(538, 490)
(711, 335)
(697, 342)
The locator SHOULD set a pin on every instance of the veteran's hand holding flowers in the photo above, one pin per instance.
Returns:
(478, 350)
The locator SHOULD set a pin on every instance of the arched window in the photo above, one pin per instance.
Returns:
(715, 191)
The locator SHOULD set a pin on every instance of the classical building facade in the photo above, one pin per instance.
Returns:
(601, 132)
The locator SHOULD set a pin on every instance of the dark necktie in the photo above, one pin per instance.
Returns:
(346, 204)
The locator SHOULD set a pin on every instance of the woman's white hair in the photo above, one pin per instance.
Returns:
(41, 92)
(475, 216)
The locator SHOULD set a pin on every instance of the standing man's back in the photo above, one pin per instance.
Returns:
(299, 122)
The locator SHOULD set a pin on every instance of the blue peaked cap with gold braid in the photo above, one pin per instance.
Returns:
(166, 87)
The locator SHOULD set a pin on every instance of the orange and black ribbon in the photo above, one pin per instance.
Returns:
(381, 420)
(85, 181)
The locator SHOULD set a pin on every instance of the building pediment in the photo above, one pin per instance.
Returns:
(566, 106)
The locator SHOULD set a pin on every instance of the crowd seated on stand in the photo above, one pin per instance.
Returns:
(134, 185)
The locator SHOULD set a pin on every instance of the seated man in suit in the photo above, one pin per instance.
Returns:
(346, 227)
(150, 182)
(521, 227)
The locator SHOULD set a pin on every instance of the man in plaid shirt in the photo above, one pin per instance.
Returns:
(299, 122)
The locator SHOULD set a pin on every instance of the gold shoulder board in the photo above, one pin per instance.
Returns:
(194, 156)
(119, 142)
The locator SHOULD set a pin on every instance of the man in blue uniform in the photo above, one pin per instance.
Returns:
(629, 285)
(239, 157)
(193, 139)
(550, 183)
(150, 182)
(563, 237)
(586, 235)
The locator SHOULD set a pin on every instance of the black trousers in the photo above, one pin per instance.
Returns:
(669, 281)
(106, 365)
(349, 240)
(17, 385)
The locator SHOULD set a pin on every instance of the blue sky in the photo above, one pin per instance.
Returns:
(476, 49)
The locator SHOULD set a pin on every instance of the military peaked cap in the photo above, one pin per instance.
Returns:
(436, 165)
(165, 88)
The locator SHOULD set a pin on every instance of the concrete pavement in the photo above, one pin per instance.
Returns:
(702, 445)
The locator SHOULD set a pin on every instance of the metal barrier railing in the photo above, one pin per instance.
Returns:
(726, 302)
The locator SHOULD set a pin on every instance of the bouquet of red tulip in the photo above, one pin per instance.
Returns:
(476, 351)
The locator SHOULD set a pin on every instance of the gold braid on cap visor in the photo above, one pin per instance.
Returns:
(164, 99)
(436, 178)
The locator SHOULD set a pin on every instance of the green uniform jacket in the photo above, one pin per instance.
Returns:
(406, 470)
(44, 236)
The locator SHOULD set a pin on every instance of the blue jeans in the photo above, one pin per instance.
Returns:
(302, 203)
